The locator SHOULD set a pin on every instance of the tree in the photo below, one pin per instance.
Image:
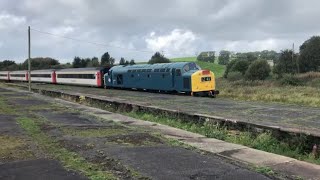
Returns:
(251, 56)
(286, 64)
(122, 61)
(6, 64)
(309, 59)
(224, 57)
(111, 61)
(95, 62)
(258, 70)
(40, 63)
(206, 56)
(107, 60)
(268, 55)
(84, 62)
(158, 58)
(228, 68)
(240, 66)
(127, 63)
(76, 62)
(132, 62)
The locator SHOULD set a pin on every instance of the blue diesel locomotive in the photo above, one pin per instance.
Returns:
(181, 77)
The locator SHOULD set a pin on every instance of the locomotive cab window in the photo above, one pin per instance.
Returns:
(191, 66)
(204, 79)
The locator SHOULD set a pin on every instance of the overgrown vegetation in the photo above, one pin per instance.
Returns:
(258, 70)
(13, 148)
(294, 148)
(301, 89)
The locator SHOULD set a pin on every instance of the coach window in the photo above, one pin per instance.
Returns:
(178, 72)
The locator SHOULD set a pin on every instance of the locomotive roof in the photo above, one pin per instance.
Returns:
(152, 66)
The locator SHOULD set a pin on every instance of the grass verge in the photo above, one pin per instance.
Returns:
(264, 141)
(69, 159)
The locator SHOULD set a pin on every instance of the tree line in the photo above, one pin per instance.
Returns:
(253, 65)
(50, 63)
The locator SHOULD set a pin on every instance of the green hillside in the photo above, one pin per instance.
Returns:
(217, 69)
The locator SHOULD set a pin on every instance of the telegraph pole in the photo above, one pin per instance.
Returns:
(29, 59)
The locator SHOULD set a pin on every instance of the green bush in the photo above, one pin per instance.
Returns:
(289, 79)
(235, 76)
(228, 68)
(240, 66)
(258, 70)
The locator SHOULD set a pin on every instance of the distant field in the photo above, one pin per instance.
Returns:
(214, 67)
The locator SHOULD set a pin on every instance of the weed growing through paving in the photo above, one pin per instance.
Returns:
(264, 170)
(71, 160)
(13, 148)
(5, 108)
(263, 141)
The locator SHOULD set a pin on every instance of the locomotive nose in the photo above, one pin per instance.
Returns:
(202, 81)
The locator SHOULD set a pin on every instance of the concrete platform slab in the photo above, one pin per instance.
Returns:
(257, 157)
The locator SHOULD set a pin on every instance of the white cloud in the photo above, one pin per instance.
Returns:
(62, 30)
(177, 42)
(257, 45)
(8, 21)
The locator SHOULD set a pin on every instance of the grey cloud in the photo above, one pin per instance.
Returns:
(217, 24)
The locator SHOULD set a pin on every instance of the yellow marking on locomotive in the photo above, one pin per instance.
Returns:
(203, 80)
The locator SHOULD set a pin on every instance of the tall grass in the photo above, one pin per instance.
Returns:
(269, 91)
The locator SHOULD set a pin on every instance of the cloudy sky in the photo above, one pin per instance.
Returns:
(138, 28)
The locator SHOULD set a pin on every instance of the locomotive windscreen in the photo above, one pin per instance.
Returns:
(191, 66)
